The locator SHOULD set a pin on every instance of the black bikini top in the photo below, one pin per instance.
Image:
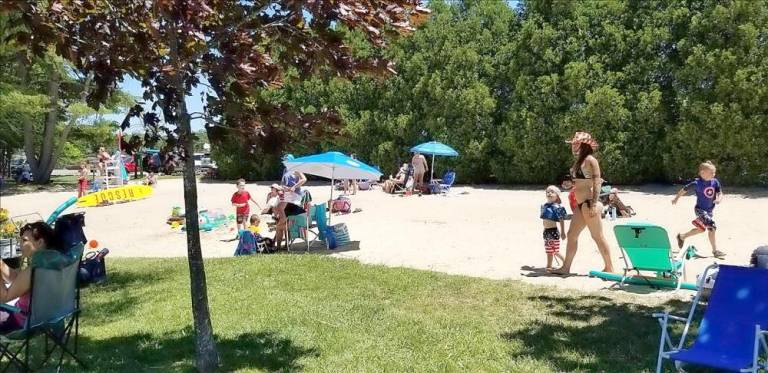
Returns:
(581, 173)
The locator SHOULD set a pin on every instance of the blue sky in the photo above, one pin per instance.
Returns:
(133, 87)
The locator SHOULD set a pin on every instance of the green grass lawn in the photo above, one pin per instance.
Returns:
(316, 313)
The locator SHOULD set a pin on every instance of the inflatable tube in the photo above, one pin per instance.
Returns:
(647, 281)
(55, 214)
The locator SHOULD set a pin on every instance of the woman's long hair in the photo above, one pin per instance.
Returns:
(584, 151)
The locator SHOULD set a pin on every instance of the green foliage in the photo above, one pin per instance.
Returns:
(663, 85)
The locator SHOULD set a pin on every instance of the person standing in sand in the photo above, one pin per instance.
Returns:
(419, 169)
(587, 180)
(708, 194)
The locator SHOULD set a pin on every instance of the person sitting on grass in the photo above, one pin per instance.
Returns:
(34, 237)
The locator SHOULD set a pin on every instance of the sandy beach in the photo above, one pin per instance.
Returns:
(489, 232)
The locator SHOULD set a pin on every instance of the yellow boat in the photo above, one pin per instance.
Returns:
(125, 193)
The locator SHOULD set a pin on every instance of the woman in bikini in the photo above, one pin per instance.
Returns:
(587, 181)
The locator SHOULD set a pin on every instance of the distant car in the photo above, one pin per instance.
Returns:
(204, 161)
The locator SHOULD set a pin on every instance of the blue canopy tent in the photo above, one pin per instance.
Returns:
(332, 165)
(434, 148)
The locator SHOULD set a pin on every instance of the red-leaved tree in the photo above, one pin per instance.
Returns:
(238, 46)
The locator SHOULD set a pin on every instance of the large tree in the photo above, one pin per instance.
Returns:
(238, 46)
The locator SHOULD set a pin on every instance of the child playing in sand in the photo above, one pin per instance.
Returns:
(254, 227)
(240, 201)
(151, 179)
(551, 214)
(82, 180)
(708, 194)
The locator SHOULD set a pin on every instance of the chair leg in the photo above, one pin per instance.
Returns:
(756, 350)
(64, 341)
(660, 359)
(13, 358)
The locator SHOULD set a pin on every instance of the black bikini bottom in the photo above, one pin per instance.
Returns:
(588, 202)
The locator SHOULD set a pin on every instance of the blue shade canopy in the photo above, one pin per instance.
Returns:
(435, 148)
(332, 165)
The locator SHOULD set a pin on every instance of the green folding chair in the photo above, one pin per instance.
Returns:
(646, 247)
(54, 311)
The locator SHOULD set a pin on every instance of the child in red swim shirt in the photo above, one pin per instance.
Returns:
(240, 201)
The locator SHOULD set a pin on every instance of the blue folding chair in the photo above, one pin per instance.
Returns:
(444, 185)
(730, 335)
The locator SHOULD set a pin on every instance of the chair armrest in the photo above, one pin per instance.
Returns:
(661, 315)
(9, 308)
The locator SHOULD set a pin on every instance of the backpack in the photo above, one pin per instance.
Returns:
(68, 230)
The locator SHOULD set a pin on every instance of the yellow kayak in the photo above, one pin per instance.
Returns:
(120, 194)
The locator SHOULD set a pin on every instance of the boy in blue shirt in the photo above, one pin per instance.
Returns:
(708, 194)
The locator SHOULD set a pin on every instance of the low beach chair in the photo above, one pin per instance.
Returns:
(54, 312)
(646, 247)
(444, 185)
(731, 334)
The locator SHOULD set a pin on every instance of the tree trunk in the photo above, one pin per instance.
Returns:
(205, 345)
(46, 162)
(207, 358)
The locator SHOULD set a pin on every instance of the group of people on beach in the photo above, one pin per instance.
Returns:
(102, 160)
(585, 182)
(410, 176)
(285, 199)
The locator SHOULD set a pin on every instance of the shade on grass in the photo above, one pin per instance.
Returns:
(292, 312)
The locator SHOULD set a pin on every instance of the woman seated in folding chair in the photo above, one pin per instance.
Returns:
(399, 180)
(34, 237)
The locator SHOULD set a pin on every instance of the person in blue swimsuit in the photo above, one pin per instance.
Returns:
(708, 194)
(551, 214)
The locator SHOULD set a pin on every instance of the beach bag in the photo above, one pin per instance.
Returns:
(434, 188)
(330, 238)
(68, 230)
(341, 234)
(364, 185)
(93, 268)
(341, 205)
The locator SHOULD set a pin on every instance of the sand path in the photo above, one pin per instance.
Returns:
(486, 231)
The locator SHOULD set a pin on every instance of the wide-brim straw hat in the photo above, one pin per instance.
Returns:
(583, 138)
